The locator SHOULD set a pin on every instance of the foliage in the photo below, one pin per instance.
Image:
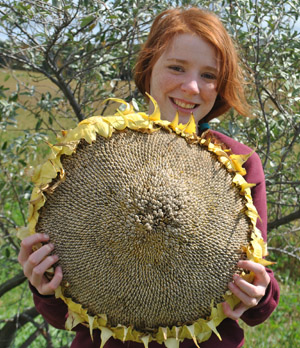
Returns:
(270, 50)
(74, 54)
(82, 47)
(282, 329)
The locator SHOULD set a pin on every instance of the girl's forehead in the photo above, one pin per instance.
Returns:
(189, 48)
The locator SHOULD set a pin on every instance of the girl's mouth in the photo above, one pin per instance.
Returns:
(183, 104)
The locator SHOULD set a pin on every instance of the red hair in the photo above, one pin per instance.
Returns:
(207, 25)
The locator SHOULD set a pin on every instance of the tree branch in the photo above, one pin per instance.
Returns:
(17, 280)
(30, 339)
(285, 220)
(8, 331)
(283, 157)
(284, 251)
(268, 183)
(8, 236)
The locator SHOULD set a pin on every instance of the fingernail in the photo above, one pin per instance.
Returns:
(235, 277)
(46, 236)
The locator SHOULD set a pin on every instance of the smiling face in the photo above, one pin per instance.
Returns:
(184, 78)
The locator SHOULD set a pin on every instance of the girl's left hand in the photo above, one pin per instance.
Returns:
(249, 294)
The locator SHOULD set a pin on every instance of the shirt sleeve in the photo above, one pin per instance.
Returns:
(255, 175)
(52, 309)
(269, 302)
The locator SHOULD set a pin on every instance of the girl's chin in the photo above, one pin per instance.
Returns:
(184, 117)
(181, 119)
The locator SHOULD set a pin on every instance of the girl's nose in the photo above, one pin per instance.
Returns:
(190, 86)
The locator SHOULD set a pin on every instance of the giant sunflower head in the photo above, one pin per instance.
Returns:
(149, 221)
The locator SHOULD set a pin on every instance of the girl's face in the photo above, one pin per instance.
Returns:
(184, 78)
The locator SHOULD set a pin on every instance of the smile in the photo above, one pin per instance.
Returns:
(183, 104)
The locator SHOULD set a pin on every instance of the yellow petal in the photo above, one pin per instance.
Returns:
(23, 232)
(165, 332)
(58, 292)
(104, 128)
(91, 326)
(171, 343)
(145, 340)
(212, 326)
(241, 159)
(118, 122)
(204, 336)
(155, 116)
(190, 126)
(176, 332)
(129, 108)
(73, 320)
(238, 161)
(106, 334)
(265, 262)
(249, 277)
(191, 329)
(101, 320)
(125, 333)
(174, 123)
(238, 179)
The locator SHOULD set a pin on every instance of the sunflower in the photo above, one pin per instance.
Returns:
(149, 221)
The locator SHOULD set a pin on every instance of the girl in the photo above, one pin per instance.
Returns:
(188, 64)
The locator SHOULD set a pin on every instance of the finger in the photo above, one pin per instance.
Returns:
(28, 243)
(38, 273)
(252, 290)
(49, 288)
(235, 313)
(244, 297)
(36, 258)
(261, 275)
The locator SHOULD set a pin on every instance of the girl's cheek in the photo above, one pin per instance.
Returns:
(209, 91)
(169, 80)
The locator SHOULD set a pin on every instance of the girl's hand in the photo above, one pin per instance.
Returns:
(36, 263)
(249, 294)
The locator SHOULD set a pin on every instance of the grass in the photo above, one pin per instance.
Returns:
(282, 329)
(23, 82)
(35, 81)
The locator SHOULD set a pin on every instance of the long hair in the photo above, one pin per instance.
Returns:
(205, 24)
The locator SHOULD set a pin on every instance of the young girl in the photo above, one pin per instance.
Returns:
(188, 64)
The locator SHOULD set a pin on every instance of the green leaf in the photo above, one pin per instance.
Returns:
(7, 253)
(38, 124)
(86, 21)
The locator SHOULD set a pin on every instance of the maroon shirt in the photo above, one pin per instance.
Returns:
(55, 311)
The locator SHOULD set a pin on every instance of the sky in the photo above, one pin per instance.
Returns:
(297, 26)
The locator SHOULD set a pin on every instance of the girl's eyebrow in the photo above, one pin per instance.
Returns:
(183, 61)
(177, 60)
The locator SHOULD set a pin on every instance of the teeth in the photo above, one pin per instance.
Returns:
(184, 105)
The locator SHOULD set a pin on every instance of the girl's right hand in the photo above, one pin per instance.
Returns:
(36, 263)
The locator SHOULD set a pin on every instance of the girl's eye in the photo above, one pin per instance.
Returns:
(176, 68)
(209, 76)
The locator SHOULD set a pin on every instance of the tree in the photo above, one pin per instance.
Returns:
(74, 54)
(270, 50)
